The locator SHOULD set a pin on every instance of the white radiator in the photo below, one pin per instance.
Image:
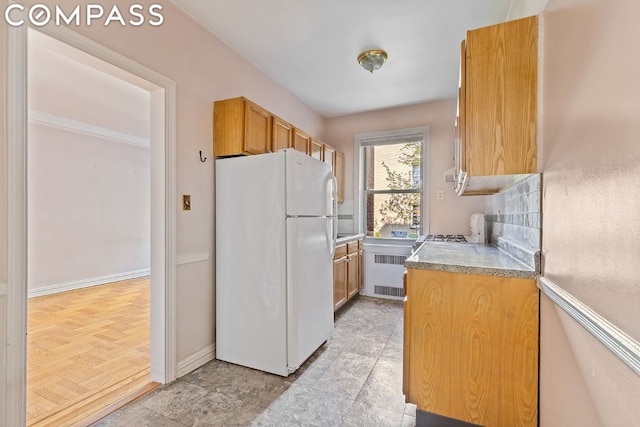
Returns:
(383, 270)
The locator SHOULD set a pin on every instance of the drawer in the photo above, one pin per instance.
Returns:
(360, 244)
(341, 250)
(352, 247)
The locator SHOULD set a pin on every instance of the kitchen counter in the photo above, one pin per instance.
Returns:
(471, 259)
(346, 238)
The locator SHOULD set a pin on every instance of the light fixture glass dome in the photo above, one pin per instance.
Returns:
(372, 60)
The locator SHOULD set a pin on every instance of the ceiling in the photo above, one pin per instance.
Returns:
(310, 46)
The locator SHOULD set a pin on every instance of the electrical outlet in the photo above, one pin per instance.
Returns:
(186, 202)
(440, 195)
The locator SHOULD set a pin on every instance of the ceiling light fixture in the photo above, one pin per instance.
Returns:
(372, 60)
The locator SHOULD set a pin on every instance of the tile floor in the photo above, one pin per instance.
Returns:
(355, 379)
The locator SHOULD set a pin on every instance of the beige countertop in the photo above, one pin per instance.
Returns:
(469, 258)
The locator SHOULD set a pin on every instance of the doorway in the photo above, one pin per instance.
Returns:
(162, 201)
(88, 215)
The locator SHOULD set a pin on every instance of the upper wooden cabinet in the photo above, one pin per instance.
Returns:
(240, 127)
(497, 106)
(338, 171)
(315, 149)
(336, 159)
(328, 154)
(281, 134)
(301, 140)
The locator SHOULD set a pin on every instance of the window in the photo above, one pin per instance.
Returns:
(392, 182)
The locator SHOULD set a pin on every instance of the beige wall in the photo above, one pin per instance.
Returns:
(591, 232)
(522, 8)
(205, 70)
(3, 149)
(88, 215)
(3, 223)
(450, 215)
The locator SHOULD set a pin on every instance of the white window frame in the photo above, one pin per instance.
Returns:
(360, 140)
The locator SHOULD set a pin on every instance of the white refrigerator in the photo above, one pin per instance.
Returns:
(276, 227)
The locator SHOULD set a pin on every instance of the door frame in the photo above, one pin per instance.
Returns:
(163, 215)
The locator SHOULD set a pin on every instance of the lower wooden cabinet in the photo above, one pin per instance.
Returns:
(347, 272)
(339, 282)
(360, 267)
(352, 275)
(471, 347)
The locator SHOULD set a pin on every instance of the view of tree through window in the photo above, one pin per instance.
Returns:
(393, 187)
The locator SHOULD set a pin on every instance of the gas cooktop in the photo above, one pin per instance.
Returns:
(453, 238)
(459, 238)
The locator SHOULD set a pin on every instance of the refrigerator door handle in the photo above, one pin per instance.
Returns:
(334, 212)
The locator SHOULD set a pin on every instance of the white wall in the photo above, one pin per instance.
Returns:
(89, 208)
(591, 225)
(448, 216)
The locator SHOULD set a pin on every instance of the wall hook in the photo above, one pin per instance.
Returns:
(202, 159)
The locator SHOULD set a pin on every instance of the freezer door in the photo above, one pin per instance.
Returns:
(309, 287)
(310, 185)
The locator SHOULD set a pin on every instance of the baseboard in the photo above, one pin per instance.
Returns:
(196, 360)
(86, 283)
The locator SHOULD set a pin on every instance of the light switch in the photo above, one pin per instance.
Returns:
(186, 202)
(440, 195)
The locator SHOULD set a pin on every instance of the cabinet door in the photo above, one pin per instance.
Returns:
(257, 129)
(301, 141)
(328, 155)
(352, 275)
(282, 134)
(360, 270)
(315, 149)
(338, 171)
(339, 282)
(501, 98)
(406, 333)
(471, 347)
(460, 149)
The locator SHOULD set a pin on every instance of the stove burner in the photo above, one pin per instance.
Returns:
(458, 238)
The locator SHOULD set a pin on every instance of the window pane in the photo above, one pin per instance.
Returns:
(393, 215)
(393, 167)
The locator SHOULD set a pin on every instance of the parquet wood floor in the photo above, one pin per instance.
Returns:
(86, 350)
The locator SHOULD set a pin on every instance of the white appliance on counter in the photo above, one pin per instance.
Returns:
(276, 228)
(476, 225)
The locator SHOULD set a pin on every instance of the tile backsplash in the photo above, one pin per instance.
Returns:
(513, 219)
(345, 217)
